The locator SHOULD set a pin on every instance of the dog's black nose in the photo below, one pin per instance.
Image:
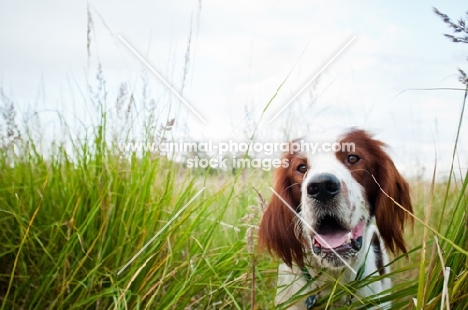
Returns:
(323, 187)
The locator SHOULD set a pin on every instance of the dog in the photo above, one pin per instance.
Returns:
(335, 209)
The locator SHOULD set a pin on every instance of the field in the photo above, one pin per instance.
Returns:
(90, 227)
(87, 225)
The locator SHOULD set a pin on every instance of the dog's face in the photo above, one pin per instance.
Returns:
(335, 209)
(335, 194)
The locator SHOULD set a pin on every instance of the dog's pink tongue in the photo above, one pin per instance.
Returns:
(332, 240)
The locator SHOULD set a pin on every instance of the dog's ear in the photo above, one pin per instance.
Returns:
(390, 217)
(276, 232)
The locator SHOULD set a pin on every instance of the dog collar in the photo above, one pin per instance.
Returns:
(312, 299)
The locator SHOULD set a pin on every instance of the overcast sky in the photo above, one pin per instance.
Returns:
(229, 58)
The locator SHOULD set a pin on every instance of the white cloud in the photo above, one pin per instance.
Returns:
(240, 54)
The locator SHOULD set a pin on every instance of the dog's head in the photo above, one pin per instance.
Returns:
(327, 196)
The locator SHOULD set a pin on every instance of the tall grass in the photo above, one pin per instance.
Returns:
(90, 227)
(71, 222)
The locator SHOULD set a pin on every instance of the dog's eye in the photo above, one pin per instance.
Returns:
(353, 159)
(302, 168)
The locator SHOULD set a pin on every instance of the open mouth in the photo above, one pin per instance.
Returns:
(332, 235)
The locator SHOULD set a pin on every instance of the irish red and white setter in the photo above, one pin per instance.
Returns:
(335, 212)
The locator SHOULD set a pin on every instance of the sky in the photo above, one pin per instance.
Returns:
(229, 59)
